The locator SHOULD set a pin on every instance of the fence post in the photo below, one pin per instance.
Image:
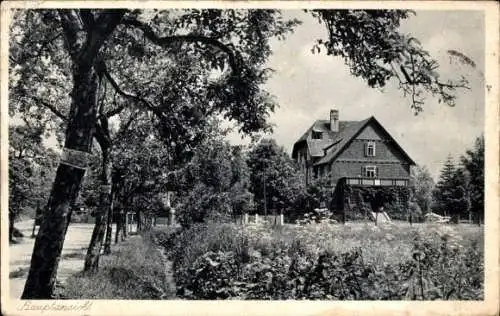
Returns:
(256, 218)
(281, 220)
(245, 218)
(171, 218)
(127, 223)
(131, 222)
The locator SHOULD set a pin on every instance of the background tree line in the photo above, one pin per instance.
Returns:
(459, 192)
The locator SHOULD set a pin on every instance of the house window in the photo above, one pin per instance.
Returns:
(317, 135)
(370, 149)
(370, 171)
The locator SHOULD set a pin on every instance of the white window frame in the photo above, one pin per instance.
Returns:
(370, 172)
(370, 149)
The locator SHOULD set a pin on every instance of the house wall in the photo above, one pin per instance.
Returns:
(370, 132)
(340, 169)
(384, 150)
(390, 161)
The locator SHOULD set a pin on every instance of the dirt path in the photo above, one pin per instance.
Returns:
(73, 254)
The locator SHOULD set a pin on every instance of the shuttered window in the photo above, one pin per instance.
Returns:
(370, 149)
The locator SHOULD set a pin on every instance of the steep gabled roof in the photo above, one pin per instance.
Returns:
(350, 133)
(317, 147)
(346, 136)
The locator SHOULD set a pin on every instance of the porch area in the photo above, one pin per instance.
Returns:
(356, 198)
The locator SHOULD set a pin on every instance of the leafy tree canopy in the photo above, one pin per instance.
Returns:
(423, 185)
(473, 164)
(273, 171)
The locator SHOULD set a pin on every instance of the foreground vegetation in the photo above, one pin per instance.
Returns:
(323, 261)
(357, 261)
(135, 270)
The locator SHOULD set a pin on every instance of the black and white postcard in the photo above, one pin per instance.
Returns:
(249, 157)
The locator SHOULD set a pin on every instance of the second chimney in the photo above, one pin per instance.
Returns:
(334, 120)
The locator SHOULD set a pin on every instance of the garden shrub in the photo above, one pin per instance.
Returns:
(202, 238)
(215, 261)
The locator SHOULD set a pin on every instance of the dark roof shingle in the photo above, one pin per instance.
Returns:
(316, 146)
(343, 136)
(333, 143)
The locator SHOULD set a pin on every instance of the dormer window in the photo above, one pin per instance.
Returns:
(317, 135)
(370, 149)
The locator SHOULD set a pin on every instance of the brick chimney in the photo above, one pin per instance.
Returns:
(334, 120)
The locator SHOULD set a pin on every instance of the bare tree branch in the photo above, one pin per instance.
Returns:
(115, 111)
(87, 18)
(126, 126)
(48, 42)
(28, 55)
(100, 30)
(70, 28)
(51, 108)
(101, 68)
(101, 134)
(169, 40)
(83, 49)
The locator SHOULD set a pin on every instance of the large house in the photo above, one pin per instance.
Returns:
(352, 152)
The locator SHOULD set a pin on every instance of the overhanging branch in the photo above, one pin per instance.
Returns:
(51, 108)
(101, 68)
(169, 40)
(70, 28)
(28, 55)
(99, 32)
(87, 18)
(124, 128)
(102, 136)
(115, 111)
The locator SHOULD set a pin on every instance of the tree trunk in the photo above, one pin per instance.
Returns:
(109, 229)
(96, 242)
(33, 230)
(119, 224)
(50, 238)
(139, 221)
(125, 224)
(109, 232)
(11, 227)
(93, 252)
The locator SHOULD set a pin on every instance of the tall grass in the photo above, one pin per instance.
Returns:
(325, 261)
(316, 261)
(135, 270)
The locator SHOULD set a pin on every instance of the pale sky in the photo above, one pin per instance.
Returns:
(307, 86)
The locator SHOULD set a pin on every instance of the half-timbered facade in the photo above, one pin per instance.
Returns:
(360, 153)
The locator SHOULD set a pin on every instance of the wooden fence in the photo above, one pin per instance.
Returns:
(245, 219)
